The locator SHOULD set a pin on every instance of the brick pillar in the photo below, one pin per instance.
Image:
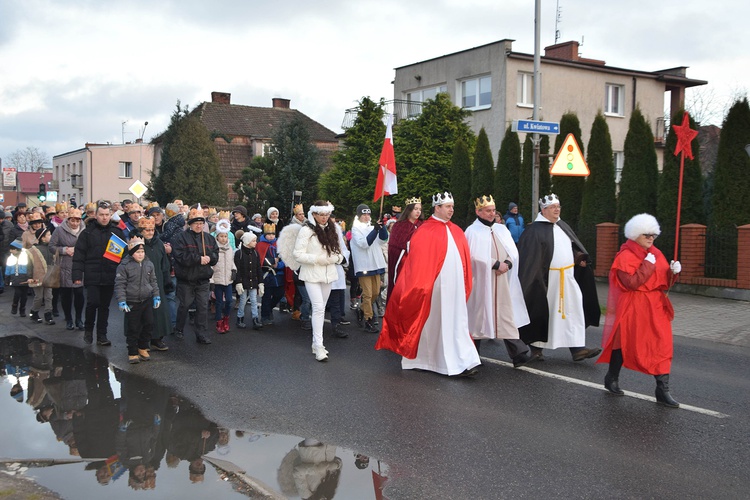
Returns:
(607, 245)
(693, 250)
(743, 256)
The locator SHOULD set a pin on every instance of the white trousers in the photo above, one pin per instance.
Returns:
(318, 293)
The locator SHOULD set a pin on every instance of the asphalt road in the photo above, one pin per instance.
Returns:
(507, 433)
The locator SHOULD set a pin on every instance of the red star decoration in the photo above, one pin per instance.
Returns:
(685, 136)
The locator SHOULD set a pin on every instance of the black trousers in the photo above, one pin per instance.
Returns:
(335, 306)
(72, 297)
(140, 324)
(98, 298)
(21, 295)
(187, 294)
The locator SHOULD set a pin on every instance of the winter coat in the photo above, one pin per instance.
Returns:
(249, 270)
(62, 239)
(247, 262)
(272, 276)
(187, 249)
(156, 253)
(135, 281)
(224, 267)
(367, 255)
(41, 258)
(89, 262)
(316, 266)
(514, 223)
(29, 238)
(6, 227)
(171, 227)
(18, 268)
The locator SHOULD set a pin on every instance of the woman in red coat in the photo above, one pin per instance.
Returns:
(638, 327)
(401, 233)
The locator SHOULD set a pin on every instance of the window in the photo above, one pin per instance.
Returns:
(619, 160)
(613, 99)
(476, 93)
(415, 99)
(126, 169)
(525, 89)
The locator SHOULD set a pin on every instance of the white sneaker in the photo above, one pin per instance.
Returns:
(320, 353)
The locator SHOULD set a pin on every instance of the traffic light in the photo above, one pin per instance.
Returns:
(42, 195)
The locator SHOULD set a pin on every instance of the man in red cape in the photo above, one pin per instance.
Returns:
(426, 320)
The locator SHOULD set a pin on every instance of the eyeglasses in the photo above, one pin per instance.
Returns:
(650, 236)
(104, 204)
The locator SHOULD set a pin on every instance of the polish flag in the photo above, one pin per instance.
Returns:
(386, 184)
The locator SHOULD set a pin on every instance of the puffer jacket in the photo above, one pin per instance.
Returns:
(316, 266)
(224, 267)
(134, 281)
(89, 262)
(63, 238)
(187, 250)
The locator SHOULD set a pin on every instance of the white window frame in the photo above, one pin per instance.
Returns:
(420, 96)
(614, 99)
(126, 170)
(525, 90)
(474, 85)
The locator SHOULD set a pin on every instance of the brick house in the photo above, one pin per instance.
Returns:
(241, 133)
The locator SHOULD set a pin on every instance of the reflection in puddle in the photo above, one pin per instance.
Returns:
(82, 425)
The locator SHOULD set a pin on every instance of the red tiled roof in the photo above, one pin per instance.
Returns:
(28, 182)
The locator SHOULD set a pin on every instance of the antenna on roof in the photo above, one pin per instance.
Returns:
(558, 18)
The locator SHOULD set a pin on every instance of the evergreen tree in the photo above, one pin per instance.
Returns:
(461, 184)
(482, 174)
(640, 172)
(352, 178)
(508, 170)
(424, 148)
(189, 167)
(253, 188)
(569, 189)
(599, 202)
(296, 166)
(524, 180)
(692, 182)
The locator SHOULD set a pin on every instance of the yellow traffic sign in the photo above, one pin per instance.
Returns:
(569, 160)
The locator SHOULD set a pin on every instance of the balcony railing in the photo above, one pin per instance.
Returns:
(400, 109)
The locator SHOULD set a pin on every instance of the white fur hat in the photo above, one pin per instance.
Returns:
(641, 224)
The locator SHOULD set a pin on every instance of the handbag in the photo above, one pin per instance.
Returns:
(52, 276)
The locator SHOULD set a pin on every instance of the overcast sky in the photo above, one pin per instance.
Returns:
(71, 71)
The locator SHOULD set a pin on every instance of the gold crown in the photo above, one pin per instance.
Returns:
(395, 209)
(269, 228)
(484, 201)
(410, 201)
(298, 209)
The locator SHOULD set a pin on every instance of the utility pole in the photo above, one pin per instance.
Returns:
(537, 105)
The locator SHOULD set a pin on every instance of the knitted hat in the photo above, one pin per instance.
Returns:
(270, 210)
(240, 209)
(41, 232)
(17, 243)
(134, 245)
(247, 238)
(511, 206)
(361, 209)
(257, 216)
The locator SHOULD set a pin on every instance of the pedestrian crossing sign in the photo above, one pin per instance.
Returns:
(569, 160)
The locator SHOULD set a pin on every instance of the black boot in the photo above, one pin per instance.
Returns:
(34, 316)
(370, 327)
(257, 325)
(14, 309)
(662, 392)
(22, 312)
(48, 318)
(611, 379)
(477, 342)
(241, 322)
(88, 336)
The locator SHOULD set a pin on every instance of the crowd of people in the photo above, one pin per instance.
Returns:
(446, 289)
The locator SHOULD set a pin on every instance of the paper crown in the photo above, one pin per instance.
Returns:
(269, 228)
(410, 201)
(298, 209)
(196, 215)
(395, 209)
(548, 200)
(484, 201)
(224, 214)
(442, 198)
(134, 244)
(146, 223)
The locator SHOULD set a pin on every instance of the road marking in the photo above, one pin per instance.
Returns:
(600, 387)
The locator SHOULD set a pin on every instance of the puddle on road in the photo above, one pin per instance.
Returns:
(82, 428)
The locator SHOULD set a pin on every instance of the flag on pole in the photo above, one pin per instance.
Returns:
(386, 184)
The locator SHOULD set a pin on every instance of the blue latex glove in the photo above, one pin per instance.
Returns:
(157, 302)
(123, 307)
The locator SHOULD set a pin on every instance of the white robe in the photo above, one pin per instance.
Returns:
(445, 345)
(484, 244)
(567, 325)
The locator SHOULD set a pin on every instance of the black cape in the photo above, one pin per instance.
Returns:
(535, 248)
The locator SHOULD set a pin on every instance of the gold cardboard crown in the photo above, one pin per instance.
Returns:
(298, 209)
(269, 228)
(484, 201)
(395, 209)
(410, 201)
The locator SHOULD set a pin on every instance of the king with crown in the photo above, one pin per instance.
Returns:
(426, 319)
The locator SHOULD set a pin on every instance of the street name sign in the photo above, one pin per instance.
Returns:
(536, 127)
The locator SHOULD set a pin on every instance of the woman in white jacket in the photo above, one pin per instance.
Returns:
(317, 250)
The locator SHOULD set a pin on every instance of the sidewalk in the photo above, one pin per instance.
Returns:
(721, 320)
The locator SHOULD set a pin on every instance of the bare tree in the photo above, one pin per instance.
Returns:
(30, 159)
(704, 106)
